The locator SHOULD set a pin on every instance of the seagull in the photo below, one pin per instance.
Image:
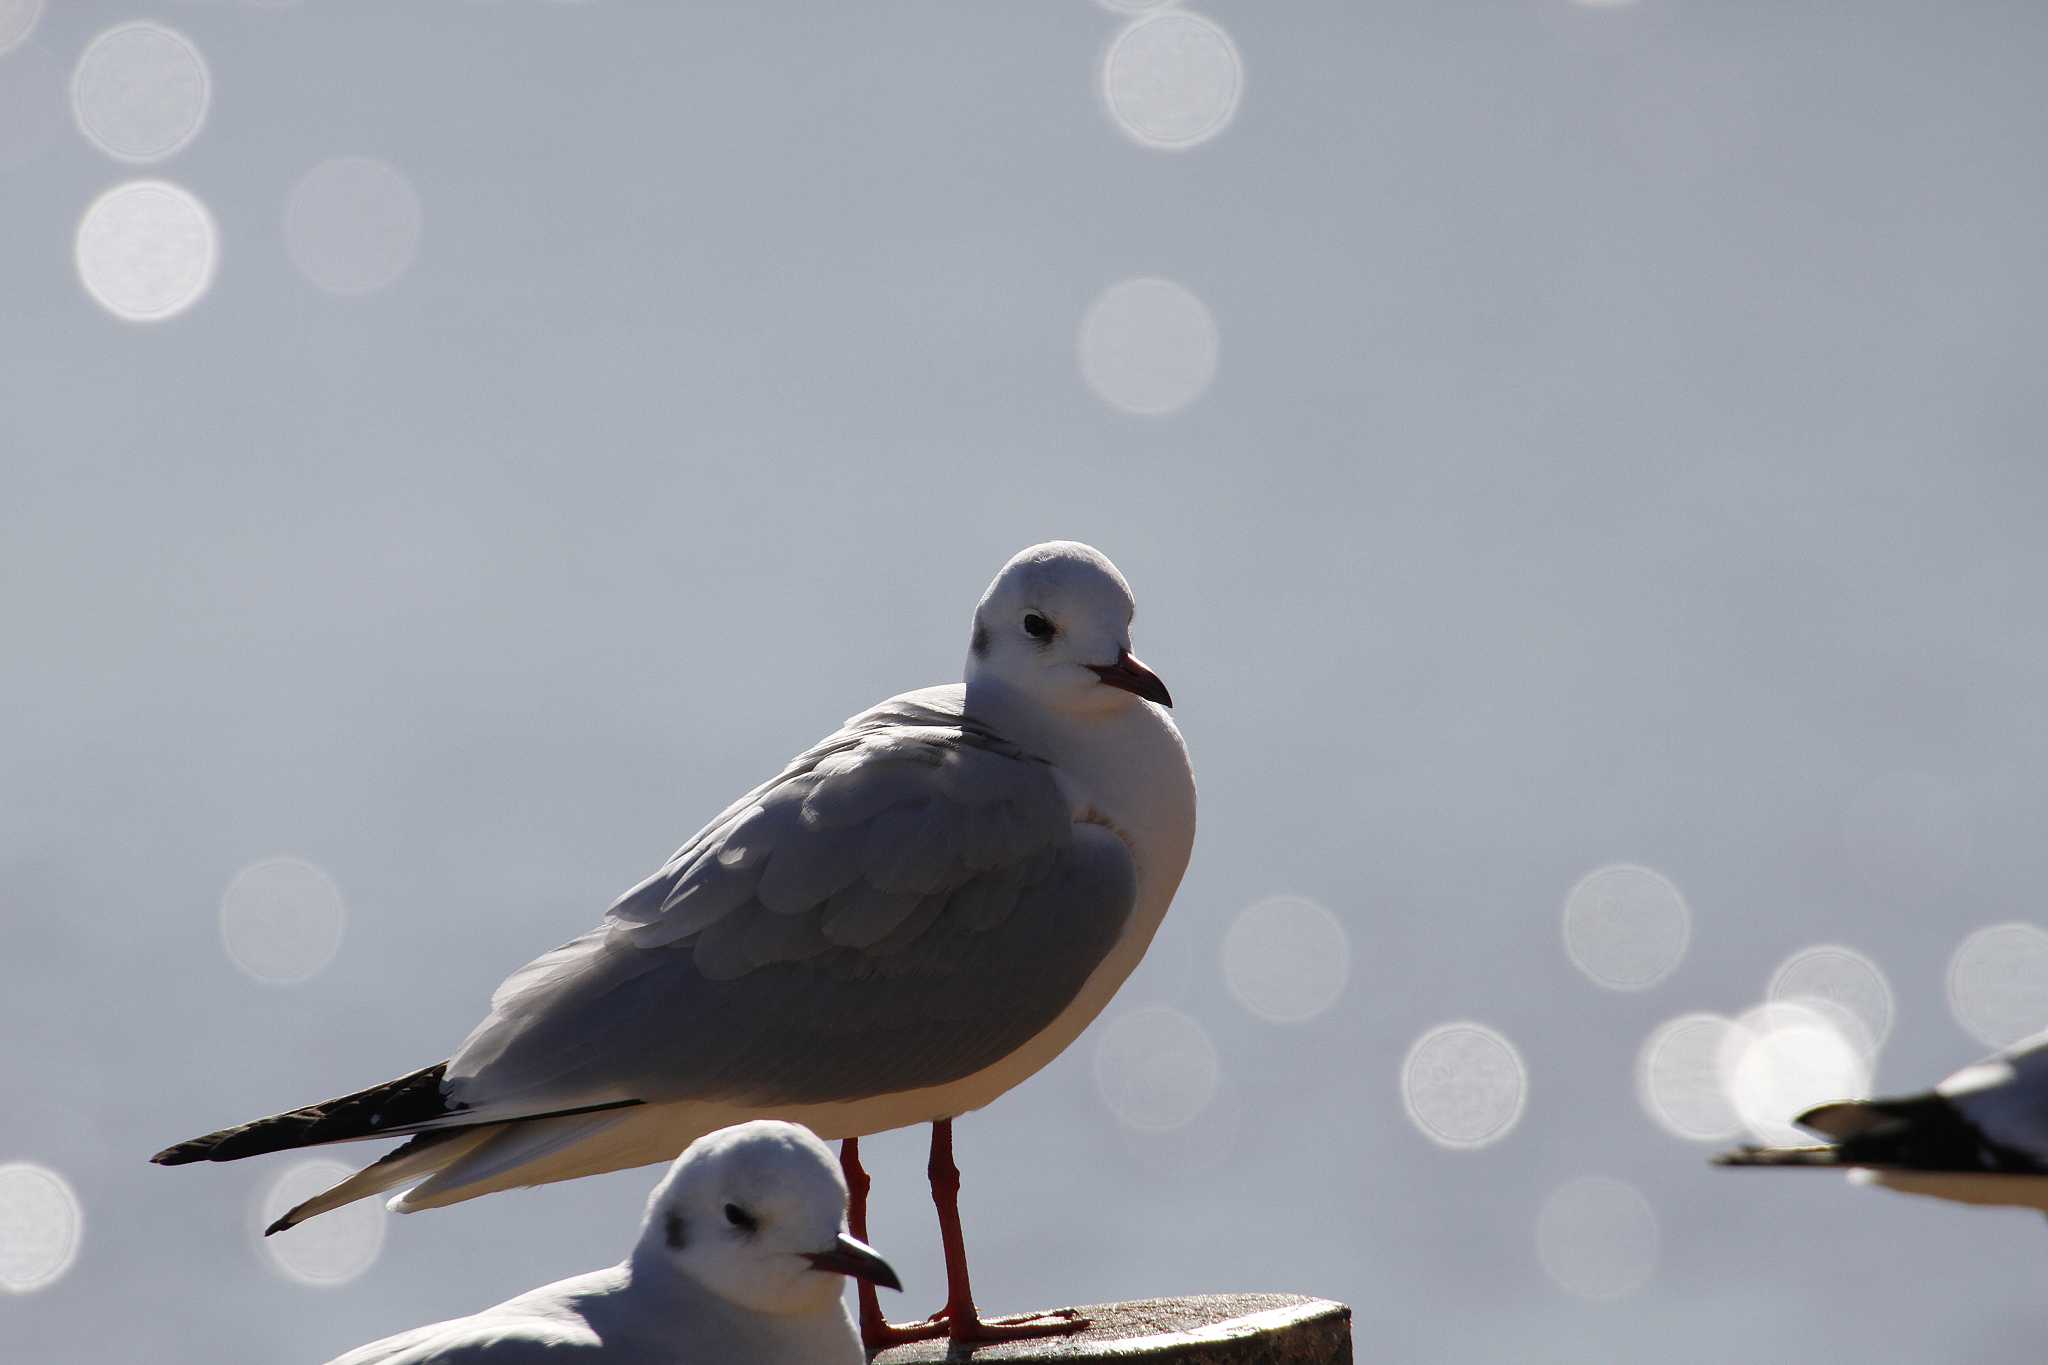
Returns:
(1979, 1137)
(725, 1271)
(915, 915)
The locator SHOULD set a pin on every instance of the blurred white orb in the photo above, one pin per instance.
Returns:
(41, 1225)
(281, 921)
(1155, 1068)
(1286, 959)
(352, 225)
(332, 1249)
(1909, 834)
(1463, 1085)
(1678, 1078)
(1626, 927)
(1843, 977)
(1172, 80)
(1998, 983)
(140, 91)
(1597, 1238)
(1133, 6)
(1148, 346)
(1783, 1058)
(17, 20)
(146, 250)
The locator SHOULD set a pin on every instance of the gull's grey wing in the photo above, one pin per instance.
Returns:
(905, 904)
(483, 1340)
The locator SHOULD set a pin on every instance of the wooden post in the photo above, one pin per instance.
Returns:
(1207, 1329)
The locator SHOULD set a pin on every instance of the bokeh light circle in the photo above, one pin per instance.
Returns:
(352, 225)
(282, 920)
(146, 250)
(1784, 1057)
(1172, 80)
(140, 91)
(1155, 1068)
(1626, 927)
(1464, 1085)
(1678, 1078)
(1286, 959)
(1597, 1238)
(1998, 983)
(1843, 977)
(17, 20)
(1148, 346)
(330, 1250)
(41, 1226)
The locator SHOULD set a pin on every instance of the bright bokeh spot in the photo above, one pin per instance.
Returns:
(1156, 1069)
(1783, 1058)
(1286, 959)
(330, 1250)
(140, 92)
(1464, 1085)
(17, 20)
(281, 921)
(1998, 983)
(41, 1225)
(1909, 834)
(1597, 1238)
(146, 250)
(1842, 977)
(1626, 927)
(352, 225)
(1172, 80)
(1678, 1078)
(1148, 346)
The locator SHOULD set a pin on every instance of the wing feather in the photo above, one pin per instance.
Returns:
(905, 904)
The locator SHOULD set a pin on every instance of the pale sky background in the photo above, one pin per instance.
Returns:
(1623, 447)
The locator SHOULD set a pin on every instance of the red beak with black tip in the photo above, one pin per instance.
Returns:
(1132, 676)
(857, 1259)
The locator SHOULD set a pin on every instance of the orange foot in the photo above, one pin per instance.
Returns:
(973, 1328)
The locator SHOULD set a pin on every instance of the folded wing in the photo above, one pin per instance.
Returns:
(905, 904)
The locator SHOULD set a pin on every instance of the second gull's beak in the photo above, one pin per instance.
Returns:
(1132, 676)
(849, 1256)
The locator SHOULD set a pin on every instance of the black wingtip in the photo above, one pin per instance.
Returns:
(280, 1225)
(181, 1154)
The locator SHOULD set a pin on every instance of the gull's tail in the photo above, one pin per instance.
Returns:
(392, 1109)
(453, 1154)
(1780, 1156)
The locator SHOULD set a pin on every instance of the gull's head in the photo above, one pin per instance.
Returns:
(1055, 626)
(756, 1213)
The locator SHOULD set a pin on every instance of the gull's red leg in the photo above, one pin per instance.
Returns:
(963, 1322)
(874, 1328)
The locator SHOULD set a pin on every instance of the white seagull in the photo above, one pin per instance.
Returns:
(916, 914)
(726, 1272)
(1979, 1137)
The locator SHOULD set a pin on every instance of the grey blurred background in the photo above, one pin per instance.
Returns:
(1622, 447)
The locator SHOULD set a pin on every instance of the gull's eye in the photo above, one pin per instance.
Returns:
(1036, 626)
(739, 1218)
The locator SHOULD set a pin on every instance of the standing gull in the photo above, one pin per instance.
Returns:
(912, 917)
(1979, 1137)
(726, 1272)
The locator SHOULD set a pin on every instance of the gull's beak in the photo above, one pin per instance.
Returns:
(1134, 677)
(855, 1258)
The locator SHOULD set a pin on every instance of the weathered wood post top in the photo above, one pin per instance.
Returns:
(1204, 1329)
